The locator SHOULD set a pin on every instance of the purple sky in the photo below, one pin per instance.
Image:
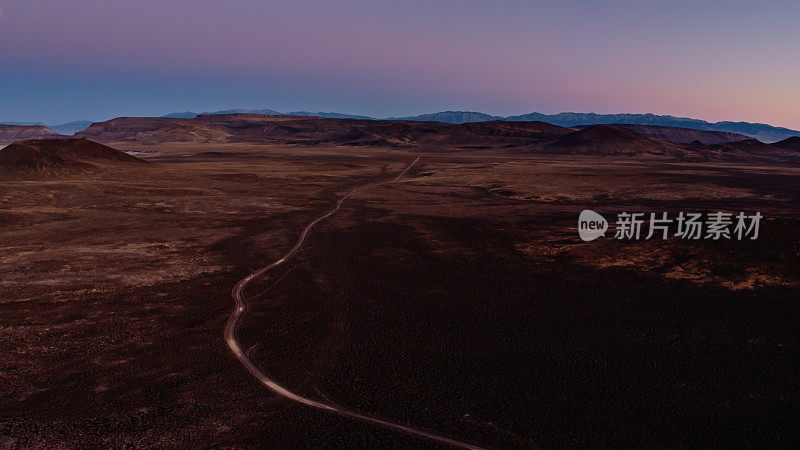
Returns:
(97, 59)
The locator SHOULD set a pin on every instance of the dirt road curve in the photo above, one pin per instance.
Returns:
(241, 308)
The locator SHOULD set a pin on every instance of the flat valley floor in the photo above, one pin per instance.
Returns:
(459, 300)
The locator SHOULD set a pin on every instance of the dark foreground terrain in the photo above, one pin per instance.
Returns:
(459, 300)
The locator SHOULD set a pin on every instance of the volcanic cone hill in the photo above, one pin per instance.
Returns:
(59, 157)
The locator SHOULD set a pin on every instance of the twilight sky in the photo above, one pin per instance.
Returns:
(97, 59)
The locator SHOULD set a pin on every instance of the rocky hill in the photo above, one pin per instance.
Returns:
(13, 133)
(57, 157)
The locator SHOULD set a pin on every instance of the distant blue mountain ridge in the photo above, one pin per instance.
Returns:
(760, 131)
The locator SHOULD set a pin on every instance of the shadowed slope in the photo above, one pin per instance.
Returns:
(684, 135)
(610, 140)
(791, 144)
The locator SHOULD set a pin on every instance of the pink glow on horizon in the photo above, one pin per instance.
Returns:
(716, 61)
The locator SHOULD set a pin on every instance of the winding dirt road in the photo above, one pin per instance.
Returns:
(241, 308)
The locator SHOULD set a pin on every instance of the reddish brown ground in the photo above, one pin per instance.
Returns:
(460, 300)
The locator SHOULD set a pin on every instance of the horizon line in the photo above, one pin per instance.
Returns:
(368, 117)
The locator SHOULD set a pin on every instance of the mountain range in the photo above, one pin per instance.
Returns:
(506, 137)
(760, 131)
(497, 136)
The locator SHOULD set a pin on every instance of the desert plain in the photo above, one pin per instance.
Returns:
(458, 299)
